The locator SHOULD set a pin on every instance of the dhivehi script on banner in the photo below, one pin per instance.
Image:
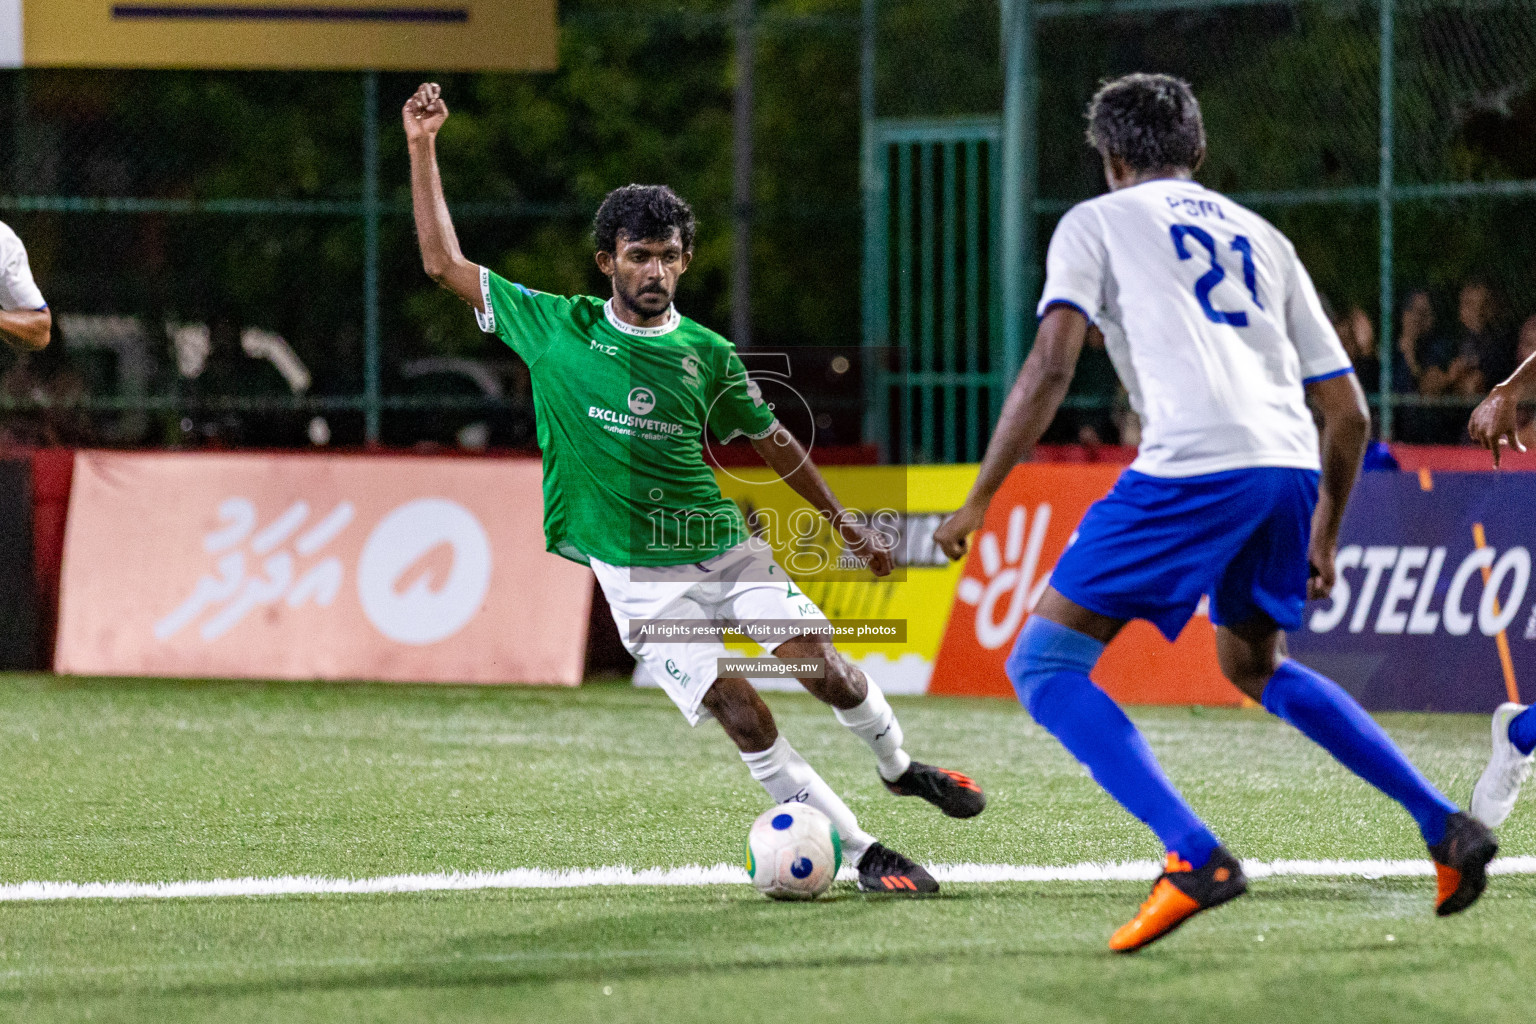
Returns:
(316, 567)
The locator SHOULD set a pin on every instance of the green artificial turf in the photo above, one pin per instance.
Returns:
(159, 781)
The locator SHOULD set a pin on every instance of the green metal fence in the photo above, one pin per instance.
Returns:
(163, 208)
(934, 216)
(1355, 126)
(1395, 144)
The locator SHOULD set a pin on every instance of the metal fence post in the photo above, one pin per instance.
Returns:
(1384, 197)
(874, 185)
(741, 198)
(18, 134)
(1018, 190)
(371, 397)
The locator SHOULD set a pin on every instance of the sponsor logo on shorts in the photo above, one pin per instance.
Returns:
(677, 673)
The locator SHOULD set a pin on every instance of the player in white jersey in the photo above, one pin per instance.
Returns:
(1218, 335)
(25, 322)
(1495, 423)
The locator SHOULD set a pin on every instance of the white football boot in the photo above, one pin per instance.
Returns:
(1494, 795)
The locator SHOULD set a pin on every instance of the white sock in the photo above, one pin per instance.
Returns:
(875, 723)
(788, 777)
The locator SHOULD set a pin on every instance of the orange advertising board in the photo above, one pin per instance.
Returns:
(316, 567)
(1028, 527)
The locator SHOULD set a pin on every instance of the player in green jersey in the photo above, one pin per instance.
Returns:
(623, 391)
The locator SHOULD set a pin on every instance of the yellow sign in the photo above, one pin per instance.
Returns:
(907, 501)
(375, 35)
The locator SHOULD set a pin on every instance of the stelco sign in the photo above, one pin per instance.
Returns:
(1434, 608)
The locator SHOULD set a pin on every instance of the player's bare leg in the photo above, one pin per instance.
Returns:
(860, 706)
(1253, 657)
(788, 777)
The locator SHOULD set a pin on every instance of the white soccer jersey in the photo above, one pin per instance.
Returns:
(1211, 321)
(17, 289)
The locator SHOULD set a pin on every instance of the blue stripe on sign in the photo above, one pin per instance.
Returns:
(229, 12)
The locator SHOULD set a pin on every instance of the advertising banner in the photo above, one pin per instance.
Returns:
(364, 35)
(1433, 610)
(907, 503)
(316, 567)
(1027, 528)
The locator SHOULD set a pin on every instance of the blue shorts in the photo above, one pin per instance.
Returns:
(1153, 546)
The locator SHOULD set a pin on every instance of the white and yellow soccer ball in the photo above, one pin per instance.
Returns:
(793, 852)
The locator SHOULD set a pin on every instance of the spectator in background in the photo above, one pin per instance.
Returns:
(1417, 347)
(1420, 350)
(1358, 335)
(1483, 355)
(1095, 380)
(47, 378)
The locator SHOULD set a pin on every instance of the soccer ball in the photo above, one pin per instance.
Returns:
(793, 852)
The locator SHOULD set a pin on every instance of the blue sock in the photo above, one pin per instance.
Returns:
(1049, 669)
(1335, 721)
(1522, 730)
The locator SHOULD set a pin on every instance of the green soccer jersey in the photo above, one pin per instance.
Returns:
(621, 417)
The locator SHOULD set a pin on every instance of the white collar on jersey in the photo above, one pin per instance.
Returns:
(673, 320)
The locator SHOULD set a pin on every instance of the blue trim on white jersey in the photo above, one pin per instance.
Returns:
(1329, 376)
(1064, 302)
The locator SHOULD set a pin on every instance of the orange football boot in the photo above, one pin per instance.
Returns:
(1461, 863)
(1180, 893)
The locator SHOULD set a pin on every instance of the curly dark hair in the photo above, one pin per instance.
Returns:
(643, 213)
(1152, 122)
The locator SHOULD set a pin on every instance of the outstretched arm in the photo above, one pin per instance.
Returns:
(1496, 421)
(424, 114)
(26, 329)
(1032, 403)
(1346, 430)
(787, 457)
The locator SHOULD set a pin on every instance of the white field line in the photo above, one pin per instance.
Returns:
(692, 875)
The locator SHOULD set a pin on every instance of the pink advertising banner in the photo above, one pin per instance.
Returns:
(316, 567)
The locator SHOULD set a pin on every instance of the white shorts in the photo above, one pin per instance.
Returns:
(736, 588)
